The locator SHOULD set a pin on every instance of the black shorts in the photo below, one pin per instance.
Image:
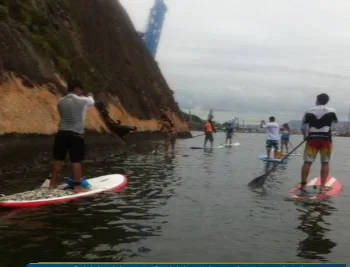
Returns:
(67, 142)
(209, 137)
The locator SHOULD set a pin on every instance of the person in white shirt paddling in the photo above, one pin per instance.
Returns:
(70, 136)
(273, 132)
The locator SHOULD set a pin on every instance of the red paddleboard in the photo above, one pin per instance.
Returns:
(311, 190)
(44, 196)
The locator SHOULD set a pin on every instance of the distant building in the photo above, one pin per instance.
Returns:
(154, 26)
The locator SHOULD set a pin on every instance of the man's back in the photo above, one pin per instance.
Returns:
(72, 109)
(168, 126)
(318, 121)
(272, 130)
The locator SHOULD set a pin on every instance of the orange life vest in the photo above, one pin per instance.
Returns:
(208, 127)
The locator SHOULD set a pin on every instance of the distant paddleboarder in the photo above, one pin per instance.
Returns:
(317, 130)
(229, 132)
(272, 132)
(285, 134)
(209, 129)
(168, 126)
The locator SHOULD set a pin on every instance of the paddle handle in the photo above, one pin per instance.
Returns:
(295, 148)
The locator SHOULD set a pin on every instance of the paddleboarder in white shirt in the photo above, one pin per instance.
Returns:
(273, 135)
(70, 137)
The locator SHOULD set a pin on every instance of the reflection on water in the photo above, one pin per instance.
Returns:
(313, 222)
(208, 161)
(189, 205)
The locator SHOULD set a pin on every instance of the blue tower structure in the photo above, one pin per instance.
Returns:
(154, 26)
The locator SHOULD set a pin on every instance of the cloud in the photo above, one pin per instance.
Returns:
(252, 57)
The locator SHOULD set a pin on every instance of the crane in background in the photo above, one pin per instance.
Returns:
(154, 26)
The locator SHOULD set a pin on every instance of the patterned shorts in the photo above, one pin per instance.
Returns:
(272, 143)
(314, 146)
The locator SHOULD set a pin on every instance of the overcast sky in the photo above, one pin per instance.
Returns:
(254, 58)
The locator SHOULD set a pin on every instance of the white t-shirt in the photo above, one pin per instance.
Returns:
(72, 110)
(272, 130)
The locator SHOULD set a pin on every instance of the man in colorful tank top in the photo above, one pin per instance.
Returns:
(317, 130)
(209, 129)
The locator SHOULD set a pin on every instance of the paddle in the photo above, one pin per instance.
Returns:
(197, 135)
(259, 181)
(290, 143)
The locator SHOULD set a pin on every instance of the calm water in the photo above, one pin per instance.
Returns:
(191, 206)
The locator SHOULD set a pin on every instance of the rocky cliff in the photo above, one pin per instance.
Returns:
(45, 43)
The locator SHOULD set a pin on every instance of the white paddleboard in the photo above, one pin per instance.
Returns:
(218, 146)
(45, 196)
(231, 145)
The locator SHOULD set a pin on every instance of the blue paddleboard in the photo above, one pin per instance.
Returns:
(264, 158)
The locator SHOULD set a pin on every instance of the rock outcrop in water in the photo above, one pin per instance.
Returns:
(45, 43)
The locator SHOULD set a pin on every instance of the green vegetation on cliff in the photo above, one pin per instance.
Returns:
(34, 19)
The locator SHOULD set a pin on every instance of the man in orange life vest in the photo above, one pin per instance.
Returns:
(209, 128)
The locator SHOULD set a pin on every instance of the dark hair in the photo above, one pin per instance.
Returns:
(272, 119)
(285, 125)
(74, 84)
(322, 99)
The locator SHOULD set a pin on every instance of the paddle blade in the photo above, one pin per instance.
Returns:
(258, 181)
(45, 184)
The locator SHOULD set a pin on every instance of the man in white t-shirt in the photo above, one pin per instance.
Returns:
(70, 137)
(273, 135)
